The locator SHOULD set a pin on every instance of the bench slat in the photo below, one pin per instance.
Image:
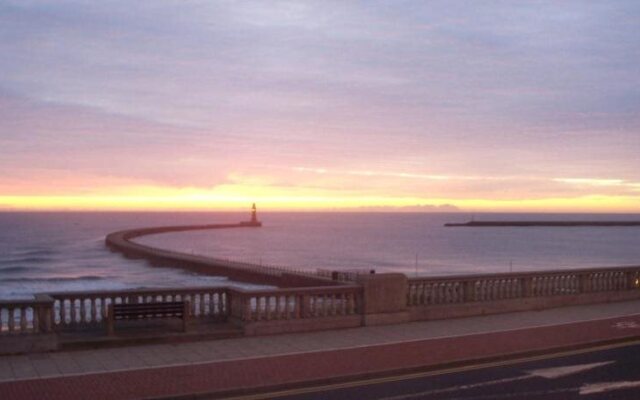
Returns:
(134, 311)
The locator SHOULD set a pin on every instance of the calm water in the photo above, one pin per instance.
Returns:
(42, 252)
(65, 251)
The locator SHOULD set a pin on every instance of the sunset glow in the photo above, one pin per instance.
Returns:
(320, 106)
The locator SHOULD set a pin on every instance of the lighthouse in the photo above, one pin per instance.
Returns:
(254, 218)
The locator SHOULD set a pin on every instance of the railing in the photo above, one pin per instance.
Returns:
(342, 275)
(26, 316)
(291, 304)
(492, 287)
(73, 310)
(79, 310)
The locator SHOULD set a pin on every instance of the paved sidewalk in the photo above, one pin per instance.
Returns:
(173, 369)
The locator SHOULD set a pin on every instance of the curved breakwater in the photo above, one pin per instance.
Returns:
(239, 271)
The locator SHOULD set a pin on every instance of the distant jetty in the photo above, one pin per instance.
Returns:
(487, 224)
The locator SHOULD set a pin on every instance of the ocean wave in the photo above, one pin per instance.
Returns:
(36, 252)
(59, 279)
(16, 268)
(29, 259)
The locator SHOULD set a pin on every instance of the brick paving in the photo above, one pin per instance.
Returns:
(226, 365)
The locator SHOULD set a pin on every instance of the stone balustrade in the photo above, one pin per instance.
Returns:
(74, 310)
(372, 299)
(292, 304)
(70, 311)
(26, 316)
(495, 287)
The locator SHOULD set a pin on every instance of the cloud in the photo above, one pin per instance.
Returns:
(473, 98)
(413, 208)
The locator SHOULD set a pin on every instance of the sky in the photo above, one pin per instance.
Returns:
(527, 106)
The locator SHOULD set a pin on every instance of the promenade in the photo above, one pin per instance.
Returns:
(253, 363)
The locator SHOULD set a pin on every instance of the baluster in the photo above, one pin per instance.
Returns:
(35, 324)
(11, 321)
(278, 311)
(264, 309)
(351, 303)
(258, 308)
(610, 279)
(220, 303)
(248, 309)
(213, 306)
(325, 305)
(201, 299)
(224, 303)
(335, 304)
(63, 311)
(423, 294)
(317, 305)
(322, 311)
(83, 311)
(23, 319)
(428, 293)
(415, 294)
(267, 304)
(92, 309)
(345, 299)
(207, 305)
(412, 294)
(72, 310)
(104, 307)
(287, 307)
(446, 292)
(297, 306)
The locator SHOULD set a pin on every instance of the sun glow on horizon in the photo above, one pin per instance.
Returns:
(235, 198)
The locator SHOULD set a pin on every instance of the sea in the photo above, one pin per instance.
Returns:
(65, 251)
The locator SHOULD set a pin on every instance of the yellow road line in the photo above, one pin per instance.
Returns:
(396, 378)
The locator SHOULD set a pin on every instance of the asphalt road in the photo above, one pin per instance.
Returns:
(610, 373)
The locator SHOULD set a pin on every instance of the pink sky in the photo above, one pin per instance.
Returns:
(486, 106)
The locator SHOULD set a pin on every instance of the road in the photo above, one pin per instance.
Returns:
(606, 373)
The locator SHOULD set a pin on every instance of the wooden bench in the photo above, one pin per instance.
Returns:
(156, 310)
